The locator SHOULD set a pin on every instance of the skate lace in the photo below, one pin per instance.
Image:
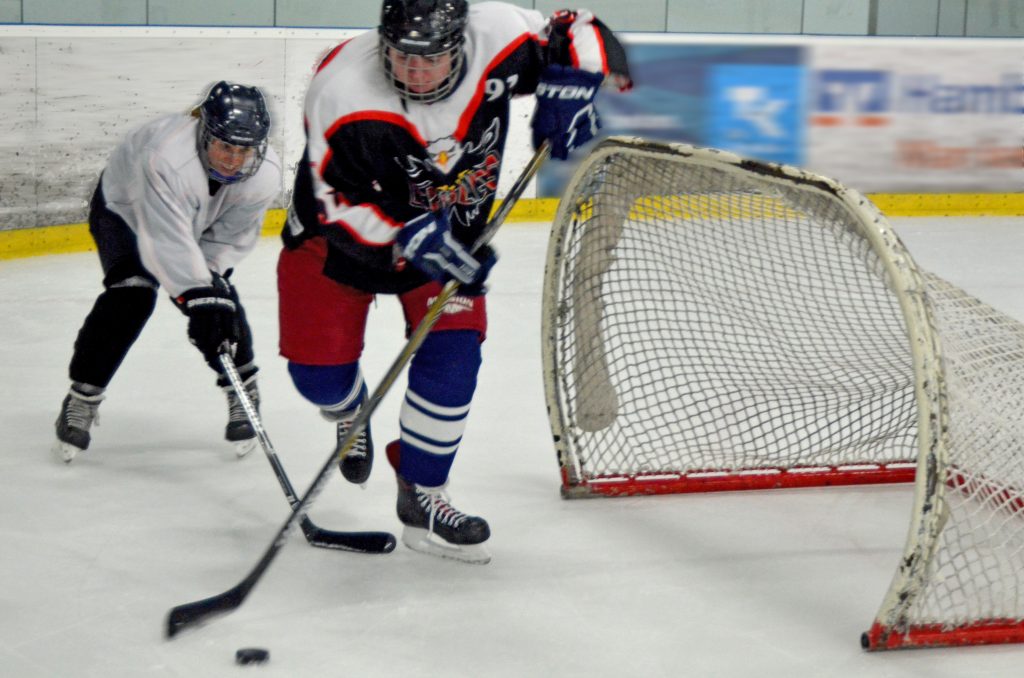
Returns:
(358, 448)
(236, 411)
(436, 502)
(81, 414)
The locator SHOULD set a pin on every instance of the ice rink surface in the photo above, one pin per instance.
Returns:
(160, 512)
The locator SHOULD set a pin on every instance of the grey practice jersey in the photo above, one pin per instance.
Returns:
(156, 182)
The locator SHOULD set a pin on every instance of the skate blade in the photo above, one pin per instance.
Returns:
(422, 541)
(64, 451)
(244, 447)
(361, 486)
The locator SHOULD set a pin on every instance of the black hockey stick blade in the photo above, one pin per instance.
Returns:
(188, 615)
(195, 613)
(357, 542)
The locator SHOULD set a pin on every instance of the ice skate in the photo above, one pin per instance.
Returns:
(77, 414)
(433, 525)
(239, 431)
(358, 463)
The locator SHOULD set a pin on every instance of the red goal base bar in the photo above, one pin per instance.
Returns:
(736, 480)
(986, 632)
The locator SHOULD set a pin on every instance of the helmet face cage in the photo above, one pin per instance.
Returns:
(237, 116)
(419, 37)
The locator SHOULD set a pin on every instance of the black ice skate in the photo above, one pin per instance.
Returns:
(77, 414)
(239, 430)
(433, 525)
(358, 463)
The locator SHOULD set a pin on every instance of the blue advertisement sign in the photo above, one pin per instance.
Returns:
(757, 111)
(855, 92)
(745, 98)
(881, 92)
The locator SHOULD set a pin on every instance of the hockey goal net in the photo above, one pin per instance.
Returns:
(716, 323)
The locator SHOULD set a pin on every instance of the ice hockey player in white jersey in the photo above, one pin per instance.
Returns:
(180, 202)
(405, 136)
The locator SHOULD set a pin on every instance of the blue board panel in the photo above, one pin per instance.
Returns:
(757, 111)
(696, 94)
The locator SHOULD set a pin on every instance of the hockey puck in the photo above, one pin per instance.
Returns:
(252, 655)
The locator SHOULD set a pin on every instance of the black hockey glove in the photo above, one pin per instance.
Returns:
(487, 258)
(428, 243)
(212, 318)
(565, 113)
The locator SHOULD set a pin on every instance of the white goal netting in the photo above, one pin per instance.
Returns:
(964, 582)
(716, 323)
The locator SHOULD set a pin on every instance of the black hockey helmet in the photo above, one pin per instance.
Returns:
(236, 115)
(432, 29)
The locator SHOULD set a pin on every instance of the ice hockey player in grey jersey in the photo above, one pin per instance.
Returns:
(180, 203)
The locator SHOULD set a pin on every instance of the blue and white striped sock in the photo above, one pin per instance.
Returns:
(442, 379)
(430, 437)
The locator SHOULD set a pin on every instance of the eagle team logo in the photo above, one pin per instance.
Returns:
(469, 171)
(445, 154)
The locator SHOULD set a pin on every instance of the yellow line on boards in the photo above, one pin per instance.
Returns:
(950, 205)
(28, 242)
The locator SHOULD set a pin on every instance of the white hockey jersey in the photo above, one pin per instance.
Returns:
(156, 182)
(374, 161)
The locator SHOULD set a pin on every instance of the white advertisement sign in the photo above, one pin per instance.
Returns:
(918, 116)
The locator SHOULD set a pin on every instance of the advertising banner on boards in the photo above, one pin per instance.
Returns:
(746, 97)
(928, 116)
(891, 115)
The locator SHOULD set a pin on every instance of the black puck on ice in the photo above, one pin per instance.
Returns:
(252, 655)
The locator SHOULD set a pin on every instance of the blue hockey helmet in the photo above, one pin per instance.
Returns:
(236, 116)
(421, 46)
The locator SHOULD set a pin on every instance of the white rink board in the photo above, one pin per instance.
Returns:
(72, 94)
(93, 85)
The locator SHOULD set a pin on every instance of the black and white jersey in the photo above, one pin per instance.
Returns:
(373, 161)
(156, 182)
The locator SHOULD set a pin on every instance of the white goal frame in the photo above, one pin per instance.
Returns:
(930, 471)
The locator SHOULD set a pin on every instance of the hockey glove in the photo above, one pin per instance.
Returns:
(565, 113)
(487, 258)
(428, 243)
(212, 318)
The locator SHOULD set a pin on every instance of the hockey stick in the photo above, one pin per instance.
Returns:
(361, 542)
(190, 614)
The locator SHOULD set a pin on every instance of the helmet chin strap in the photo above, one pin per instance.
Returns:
(221, 178)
